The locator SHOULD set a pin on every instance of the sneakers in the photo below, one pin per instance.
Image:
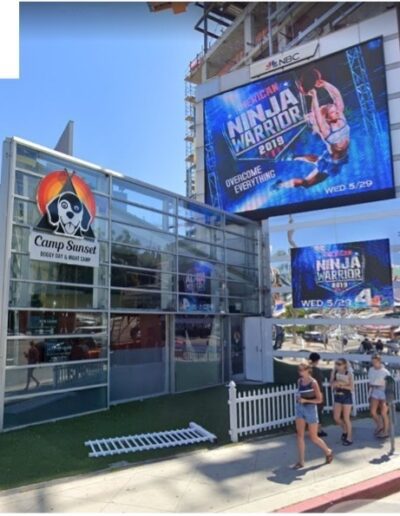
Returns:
(322, 434)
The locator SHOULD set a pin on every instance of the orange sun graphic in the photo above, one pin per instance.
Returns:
(51, 186)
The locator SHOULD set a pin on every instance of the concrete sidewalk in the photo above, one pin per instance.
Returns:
(253, 476)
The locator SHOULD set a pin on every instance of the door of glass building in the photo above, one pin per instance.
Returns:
(236, 347)
(138, 356)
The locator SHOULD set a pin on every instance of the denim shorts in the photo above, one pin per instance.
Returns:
(345, 398)
(378, 394)
(308, 412)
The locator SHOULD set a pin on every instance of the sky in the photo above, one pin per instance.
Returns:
(117, 71)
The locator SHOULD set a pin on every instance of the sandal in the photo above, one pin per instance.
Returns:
(298, 465)
(378, 431)
(329, 458)
(383, 436)
(346, 442)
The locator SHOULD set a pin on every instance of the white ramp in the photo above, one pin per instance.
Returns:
(151, 441)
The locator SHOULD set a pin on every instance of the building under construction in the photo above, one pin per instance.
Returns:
(237, 34)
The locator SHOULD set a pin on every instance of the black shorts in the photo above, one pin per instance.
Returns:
(345, 398)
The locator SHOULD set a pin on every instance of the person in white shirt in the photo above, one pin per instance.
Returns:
(377, 383)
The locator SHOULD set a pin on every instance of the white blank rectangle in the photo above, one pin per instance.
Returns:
(9, 39)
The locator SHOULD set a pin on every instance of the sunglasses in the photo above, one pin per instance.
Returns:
(339, 363)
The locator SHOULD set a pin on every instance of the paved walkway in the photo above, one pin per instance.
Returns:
(253, 476)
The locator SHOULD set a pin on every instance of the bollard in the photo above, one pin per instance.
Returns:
(390, 391)
(392, 426)
(233, 412)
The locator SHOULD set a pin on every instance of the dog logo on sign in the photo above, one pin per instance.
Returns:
(66, 204)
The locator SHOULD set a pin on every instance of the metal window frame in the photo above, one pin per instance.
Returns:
(32, 395)
(6, 207)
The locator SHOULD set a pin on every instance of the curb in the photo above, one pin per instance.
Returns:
(374, 488)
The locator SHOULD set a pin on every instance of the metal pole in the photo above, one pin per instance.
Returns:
(205, 42)
(392, 426)
(269, 30)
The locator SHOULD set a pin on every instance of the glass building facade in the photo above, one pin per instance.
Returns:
(161, 313)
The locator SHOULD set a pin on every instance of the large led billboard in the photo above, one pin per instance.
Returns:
(351, 275)
(311, 137)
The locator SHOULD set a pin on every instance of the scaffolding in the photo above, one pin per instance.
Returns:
(190, 116)
(365, 97)
(211, 171)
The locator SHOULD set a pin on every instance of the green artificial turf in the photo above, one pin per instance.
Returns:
(53, 450)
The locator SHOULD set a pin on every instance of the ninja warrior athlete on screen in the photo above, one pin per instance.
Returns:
(330, 123)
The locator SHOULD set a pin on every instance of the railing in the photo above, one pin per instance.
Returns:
(274, 407)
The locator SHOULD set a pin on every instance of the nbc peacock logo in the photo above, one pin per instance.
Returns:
(66, 204)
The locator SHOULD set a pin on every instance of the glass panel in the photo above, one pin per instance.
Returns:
(240, 243)
(236, 289)
(195, 303)
(26, 212)
(140, 237)
(197, 285)
(208, 234)
(42, 164)
(48, 407)
(138, 356)
(103, 252)
(20, 239)
(22, 322)
(127, 191)
(199, 214)
(191, 266)
(197, 352)
(141, 217)
(100, 228)
(56, 296)
(200, 250)
(22, 352)
(143, 300)
(240, 227)
(241, 259)
(101, 205)
(248, 305)
(134, 257)
(53, 378)
(25, 184)
(130, 278)
(24, 268)
(239, 274)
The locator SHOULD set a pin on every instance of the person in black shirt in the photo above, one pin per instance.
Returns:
(366, 346)
(379, 346)
(316, 373)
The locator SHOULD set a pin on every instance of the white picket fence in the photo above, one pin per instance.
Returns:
(273, 407)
